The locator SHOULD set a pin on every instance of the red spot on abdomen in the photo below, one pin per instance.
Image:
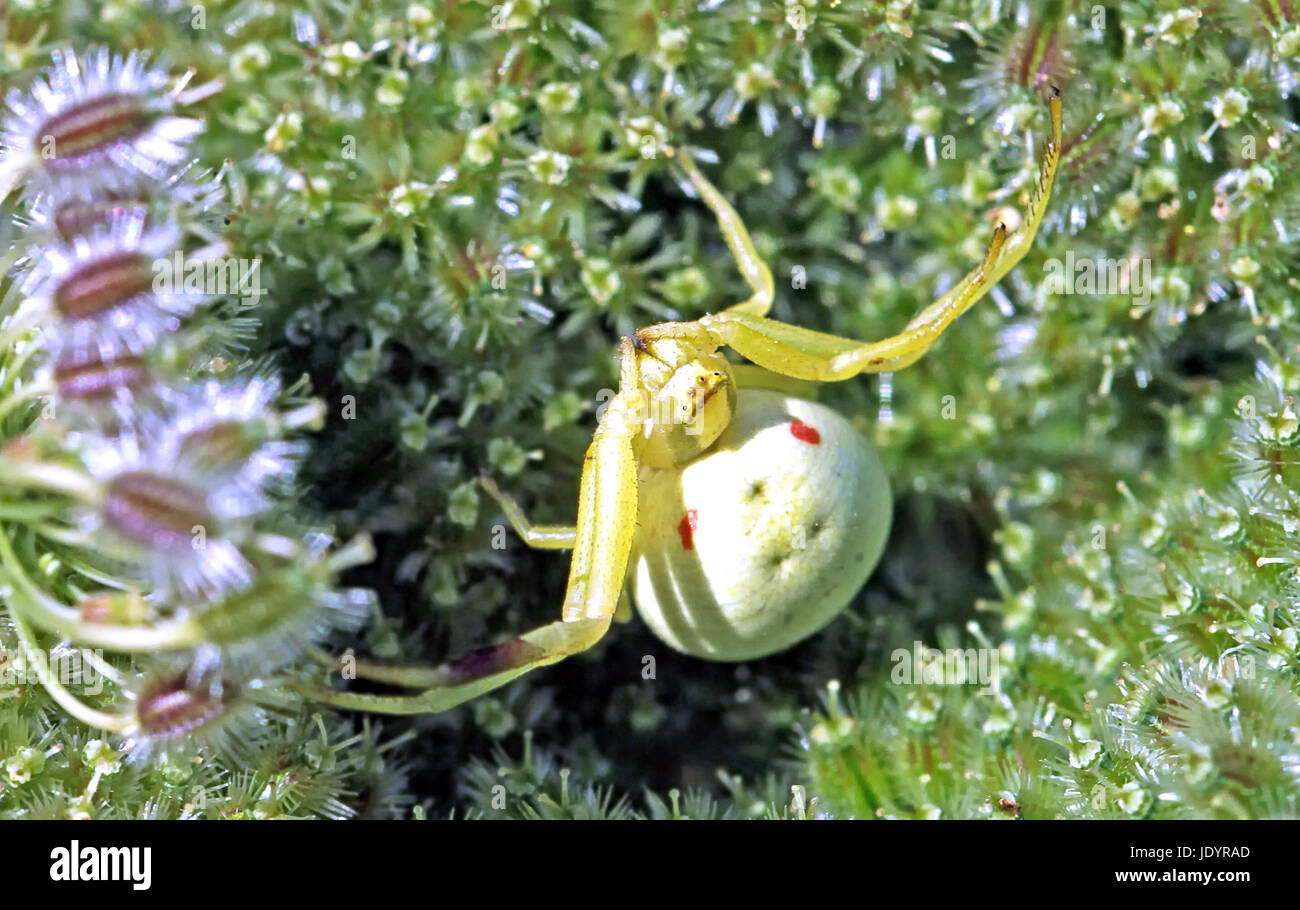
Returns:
(686, 529)
(804, 433)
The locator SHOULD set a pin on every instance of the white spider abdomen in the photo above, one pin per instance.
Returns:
(765, 538)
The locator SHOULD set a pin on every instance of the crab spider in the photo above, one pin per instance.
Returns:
(744, 515)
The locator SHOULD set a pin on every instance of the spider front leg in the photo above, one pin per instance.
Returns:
(752, 268)
(602, 540)
(540, 537)
(805, 354)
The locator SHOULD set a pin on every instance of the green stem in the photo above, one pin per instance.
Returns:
(16, 329)
(55, 617)
(55, 478)
(28, 512)
(76, 563)
(14, 367)
(66, 700)
(33, 391)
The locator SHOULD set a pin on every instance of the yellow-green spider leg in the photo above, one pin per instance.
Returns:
(752, 268)
(541, 537)
(607, 505)
(749, 376)
(805, 354)
(412, 677)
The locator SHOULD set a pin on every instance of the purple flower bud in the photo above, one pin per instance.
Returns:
(155, 511)
(92, 378)
(96, 122)
(173, 706)
(96, 286)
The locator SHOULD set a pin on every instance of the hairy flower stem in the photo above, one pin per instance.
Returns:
(89, 716)
(49, 477)
(49, 614)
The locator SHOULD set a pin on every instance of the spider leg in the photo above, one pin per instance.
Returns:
(607, 503)
(410, 676)
(805, 354)
(749, 376)
(752, 268)
(542, 537)
(624, 612)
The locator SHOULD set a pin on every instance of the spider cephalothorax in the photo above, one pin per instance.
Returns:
(688, 395)
(746, 515)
